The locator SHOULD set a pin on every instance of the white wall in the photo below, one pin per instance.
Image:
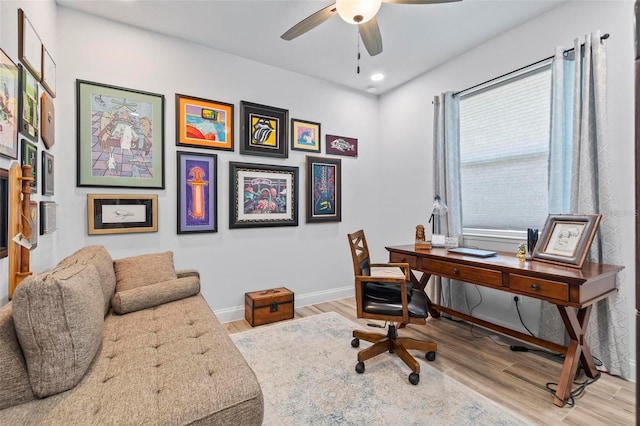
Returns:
(42, 14)
(410, 110)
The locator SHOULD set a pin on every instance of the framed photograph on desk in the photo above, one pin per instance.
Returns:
(566, 239)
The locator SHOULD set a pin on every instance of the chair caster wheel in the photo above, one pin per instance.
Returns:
(355, 343)
(414, 378)
(360, 367)
(431, 356)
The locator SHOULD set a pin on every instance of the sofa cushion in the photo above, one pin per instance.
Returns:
(15, 388)
(101, 259)
(142, 270)
(154, 295)
(58, 318)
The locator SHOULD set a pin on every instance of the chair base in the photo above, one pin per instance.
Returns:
(393, 344)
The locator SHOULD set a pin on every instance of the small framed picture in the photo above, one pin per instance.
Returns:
(4, 213)
(201, 123)
(48, 72)
(197, 192)
(29, 156)
(33, 221)
(324, 182)
(47, 120)
(9, 81)
(122, 213)
(48, 220)
(305, 135)
(341, 145)
(29, 45)
(28, 105)
(264, 130)
(566, 239)
(262, 195)
(47, 173)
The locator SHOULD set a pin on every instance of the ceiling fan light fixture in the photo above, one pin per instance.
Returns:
(357, 11)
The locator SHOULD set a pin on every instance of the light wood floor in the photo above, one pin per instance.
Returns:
(513, 379)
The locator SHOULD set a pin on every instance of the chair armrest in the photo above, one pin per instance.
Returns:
(183, 273)
(406, 269)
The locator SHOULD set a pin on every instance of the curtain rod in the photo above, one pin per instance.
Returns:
(602, 37)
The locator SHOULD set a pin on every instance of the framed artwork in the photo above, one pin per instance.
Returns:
(264, 130)
(262, 195)
(29, 45)
(28, 105)
(4, 213)
(122, 213)
(33, 221)
(47, 173)
(47, 120)
(566, 239)
(48, 72)
(201, 123)
(305, 135)
(48, 220)
(197, 192)
(29, 156)
(9, 112)
(341, 145)
(324, 181)
(120, 137)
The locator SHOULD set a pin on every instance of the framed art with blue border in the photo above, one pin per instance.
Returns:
(197, 192)
(324, 198)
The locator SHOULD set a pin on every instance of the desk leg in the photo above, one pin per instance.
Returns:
(576, 325)
(422, 284)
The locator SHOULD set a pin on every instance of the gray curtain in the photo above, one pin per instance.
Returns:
(446, 181)
(579, 115)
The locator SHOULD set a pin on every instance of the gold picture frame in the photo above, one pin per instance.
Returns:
(122, 213)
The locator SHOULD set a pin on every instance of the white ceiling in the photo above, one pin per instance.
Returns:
(415, 38)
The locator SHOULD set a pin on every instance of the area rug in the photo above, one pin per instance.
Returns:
(306, 368)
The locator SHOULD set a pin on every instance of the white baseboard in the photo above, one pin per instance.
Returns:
(235, 313)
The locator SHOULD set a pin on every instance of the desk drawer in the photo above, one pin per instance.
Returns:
(404, 258)
(537, 287)
(470, 274)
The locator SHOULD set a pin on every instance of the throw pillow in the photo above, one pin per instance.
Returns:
(154, 295)
(142, 270)
(58, 318)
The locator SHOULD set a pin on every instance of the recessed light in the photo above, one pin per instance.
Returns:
(377, 76)
(372, 89)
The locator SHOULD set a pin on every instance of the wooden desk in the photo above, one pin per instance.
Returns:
(572, 291)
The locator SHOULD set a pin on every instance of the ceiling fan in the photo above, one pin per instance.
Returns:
(360, 12)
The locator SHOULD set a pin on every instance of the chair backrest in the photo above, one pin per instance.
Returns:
(359, 253)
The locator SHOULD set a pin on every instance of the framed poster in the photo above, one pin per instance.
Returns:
(9, 112)
(201, 123)
(566, 239)
(29, 156)
(324, 181)
(305, 135)
(33, 221)
(262, 195)
(48, 72)
(29, 89)
(29, 46)
(48, 220)
(4, 213)
(47, 173)
(264, 130)
(341, 145)
(47, 120)
(120, 137)
(197, 192)
(122, 213)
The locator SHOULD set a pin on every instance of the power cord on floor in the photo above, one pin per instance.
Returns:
(576, 393)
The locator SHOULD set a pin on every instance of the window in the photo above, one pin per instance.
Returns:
(504, 152)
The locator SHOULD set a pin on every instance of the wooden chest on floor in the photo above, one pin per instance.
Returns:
(266, 306)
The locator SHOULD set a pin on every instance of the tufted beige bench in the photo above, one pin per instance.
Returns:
(169, 364)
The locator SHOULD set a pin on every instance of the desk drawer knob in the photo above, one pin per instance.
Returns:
(535, 287)
(456, 271)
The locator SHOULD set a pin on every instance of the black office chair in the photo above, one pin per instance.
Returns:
(387, 297)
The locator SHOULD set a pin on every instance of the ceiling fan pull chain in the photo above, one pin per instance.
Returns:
(358, 37)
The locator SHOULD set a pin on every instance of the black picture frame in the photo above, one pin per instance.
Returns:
(197, 184)
(10, 79)
(29, 110)
(29, 156)
(264, 130)
(47, 173)
(305, 135)
(262, 195)
(324, 189)
(4, 213)
(48, 219)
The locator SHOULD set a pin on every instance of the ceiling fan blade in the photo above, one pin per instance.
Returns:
(310, 22)
(419, 1)
(371, 37)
